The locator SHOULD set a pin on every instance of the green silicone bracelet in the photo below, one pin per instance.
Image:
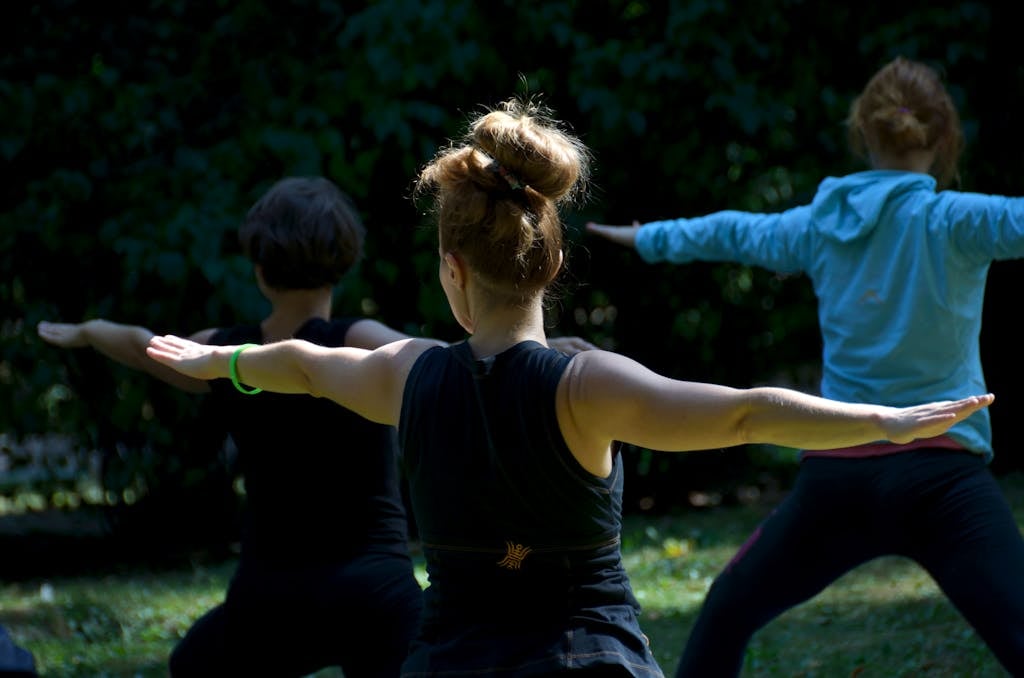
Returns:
(233, 371)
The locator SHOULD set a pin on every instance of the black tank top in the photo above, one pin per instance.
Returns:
(321, 481)
(508, 518)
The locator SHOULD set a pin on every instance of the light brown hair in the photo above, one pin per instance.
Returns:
(497, 194)
(905, 107)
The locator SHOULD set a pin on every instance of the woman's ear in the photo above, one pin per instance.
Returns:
(457, 272)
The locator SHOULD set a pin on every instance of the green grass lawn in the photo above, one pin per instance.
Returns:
(884, 619)
(887, 618)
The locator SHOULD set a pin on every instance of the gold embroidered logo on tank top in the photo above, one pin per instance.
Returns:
(515, 554)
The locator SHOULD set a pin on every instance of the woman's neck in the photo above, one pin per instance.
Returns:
(918, 160)
(291, 309)
(503, 327)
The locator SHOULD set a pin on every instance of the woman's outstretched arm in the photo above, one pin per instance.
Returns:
(606, 396)
(369, 383)
(125, 344)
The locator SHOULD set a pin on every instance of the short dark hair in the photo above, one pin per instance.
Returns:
(304, 233)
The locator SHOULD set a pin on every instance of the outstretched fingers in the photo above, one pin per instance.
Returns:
(622, 235)
(175, 351)
(64, 335)
(965, 407)
(936, 418)
(166, 345)
(955, 409)
(932, 419)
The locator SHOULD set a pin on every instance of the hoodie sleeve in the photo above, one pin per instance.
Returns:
(984, 227)
(775, 241)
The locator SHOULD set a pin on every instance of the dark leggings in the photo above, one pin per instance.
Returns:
(941, 508)
(360, 616)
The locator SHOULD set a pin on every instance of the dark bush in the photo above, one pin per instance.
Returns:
(135, 137)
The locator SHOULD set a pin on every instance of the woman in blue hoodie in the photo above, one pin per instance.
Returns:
(899, 269)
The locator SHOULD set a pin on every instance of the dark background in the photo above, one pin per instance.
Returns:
(134, 137)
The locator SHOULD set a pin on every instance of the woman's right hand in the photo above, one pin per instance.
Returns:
(622, 235)
(65, 335)
(905, 424)
(198, 361)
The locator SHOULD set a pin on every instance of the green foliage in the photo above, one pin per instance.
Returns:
(134, 140)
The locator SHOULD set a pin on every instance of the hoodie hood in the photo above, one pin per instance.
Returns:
(849, 207)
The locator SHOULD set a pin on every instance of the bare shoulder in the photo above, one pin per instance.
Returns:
(598, 373)
(599, 395)
(409, 345)
(370, 334)
(403, 353)
(598, 363)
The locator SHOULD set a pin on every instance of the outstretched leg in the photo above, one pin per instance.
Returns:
(975, 553)
(816, 535)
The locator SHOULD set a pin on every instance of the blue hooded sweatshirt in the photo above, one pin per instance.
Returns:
(899, 271)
